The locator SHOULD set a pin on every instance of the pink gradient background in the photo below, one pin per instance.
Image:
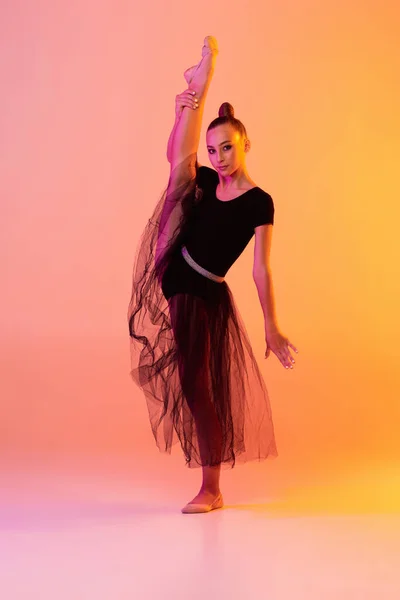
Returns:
(86, 107)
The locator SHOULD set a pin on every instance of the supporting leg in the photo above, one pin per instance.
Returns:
(193, 343)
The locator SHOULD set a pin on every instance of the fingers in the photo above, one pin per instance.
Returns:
(187, 95)
(187, 98)
(289, 360)
(284, 356)
(280, 345)
(285, 359)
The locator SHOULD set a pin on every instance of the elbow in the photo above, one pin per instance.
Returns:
(261, 273)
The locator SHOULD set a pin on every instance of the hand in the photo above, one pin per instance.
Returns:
(279, 345)
(187, 98)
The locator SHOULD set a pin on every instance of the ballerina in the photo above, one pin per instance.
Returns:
(191, 354)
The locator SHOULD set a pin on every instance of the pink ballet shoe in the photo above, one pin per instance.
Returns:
(210, 47)
(189, 73)
(192, 508)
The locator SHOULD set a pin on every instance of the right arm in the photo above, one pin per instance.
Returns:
(188, 99)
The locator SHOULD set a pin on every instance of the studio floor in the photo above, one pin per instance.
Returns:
(77, 536)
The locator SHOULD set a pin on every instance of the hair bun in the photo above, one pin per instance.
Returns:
(226, 110)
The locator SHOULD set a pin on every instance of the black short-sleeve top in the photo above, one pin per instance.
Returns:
(219, 230)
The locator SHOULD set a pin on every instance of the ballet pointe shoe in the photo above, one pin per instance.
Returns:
(192, 508)
(188, 74)
(210, 46)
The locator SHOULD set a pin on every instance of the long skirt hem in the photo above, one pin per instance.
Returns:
(191, 355)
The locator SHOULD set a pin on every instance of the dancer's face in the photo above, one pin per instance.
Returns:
(226, 149)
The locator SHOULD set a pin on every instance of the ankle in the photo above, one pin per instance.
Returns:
(200, 87)
(212, 489)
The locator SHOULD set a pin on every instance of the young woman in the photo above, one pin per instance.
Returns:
(190, 351)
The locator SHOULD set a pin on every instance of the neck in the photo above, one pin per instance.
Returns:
(238, 179)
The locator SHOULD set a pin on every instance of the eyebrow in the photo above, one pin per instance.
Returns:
(221, 144)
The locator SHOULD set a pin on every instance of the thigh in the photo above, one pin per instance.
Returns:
(189, 320)
(190, 325)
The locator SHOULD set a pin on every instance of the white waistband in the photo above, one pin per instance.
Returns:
(198, 268)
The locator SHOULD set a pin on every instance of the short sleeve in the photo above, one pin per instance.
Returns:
(206, 177)
(264, 210)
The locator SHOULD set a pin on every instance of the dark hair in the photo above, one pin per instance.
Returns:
(226, 115)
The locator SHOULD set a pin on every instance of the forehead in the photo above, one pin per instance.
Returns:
(222, 133)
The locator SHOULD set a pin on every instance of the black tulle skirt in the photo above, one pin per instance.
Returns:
(191, 355)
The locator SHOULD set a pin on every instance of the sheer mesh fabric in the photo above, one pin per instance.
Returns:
(190, 352)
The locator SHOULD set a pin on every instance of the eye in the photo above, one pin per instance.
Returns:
(227, 147)
(211, 151)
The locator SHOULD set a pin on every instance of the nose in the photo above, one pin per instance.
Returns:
(220, 157)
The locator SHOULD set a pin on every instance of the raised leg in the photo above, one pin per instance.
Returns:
(187, 133)
(183, 148)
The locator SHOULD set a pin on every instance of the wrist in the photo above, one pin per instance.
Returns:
(270, 326)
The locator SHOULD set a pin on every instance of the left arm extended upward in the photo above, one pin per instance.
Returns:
(262, 276)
